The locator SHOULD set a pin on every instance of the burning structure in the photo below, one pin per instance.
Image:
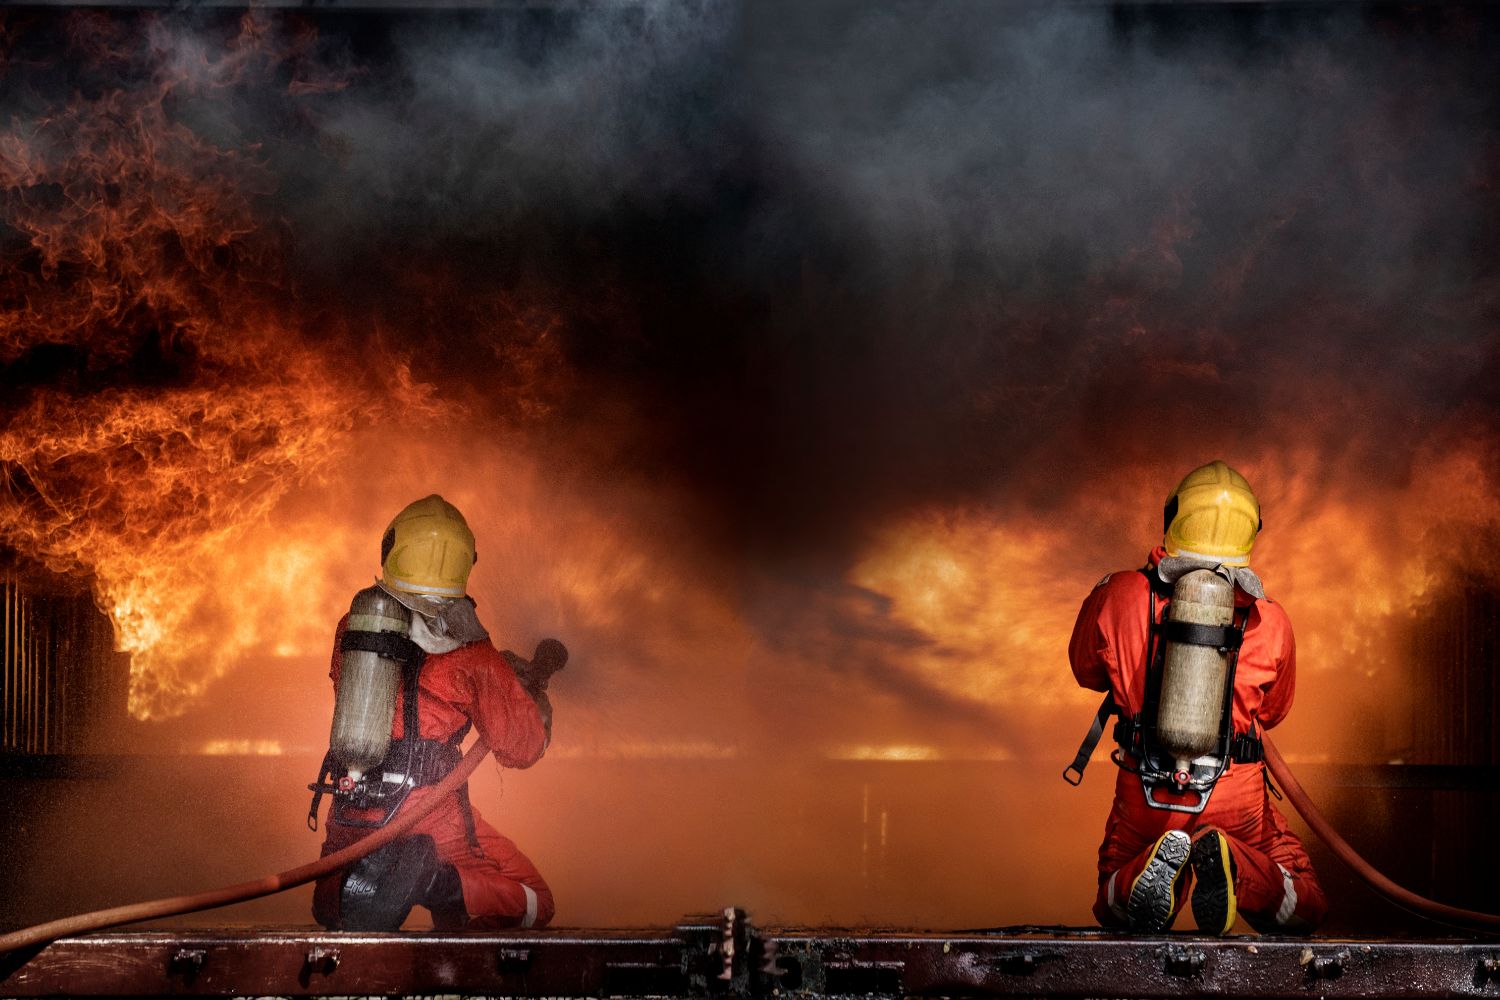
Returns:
(62, 685)
(806, 364)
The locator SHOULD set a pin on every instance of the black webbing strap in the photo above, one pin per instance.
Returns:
(318, 787)
(1090, 741)
(465, 808)
(411, 727)
(1221, 637)
(391, 645)
(398, 647)
(1246, 748)
(467, 811)
(426, 761)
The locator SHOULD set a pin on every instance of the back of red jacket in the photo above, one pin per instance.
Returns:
(1111, 643)
(472, 683)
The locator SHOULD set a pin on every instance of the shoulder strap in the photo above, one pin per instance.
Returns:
(410, 723)
(1158, 586)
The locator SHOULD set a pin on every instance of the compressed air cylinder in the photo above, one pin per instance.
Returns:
(1191, 709)
(365, 703)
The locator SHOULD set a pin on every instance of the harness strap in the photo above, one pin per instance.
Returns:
(391, 645)
(1090, 741)
(1244, 748)
(1221, 637)
(318, 787)
(465, 807)
(427, 762)
(410, 724)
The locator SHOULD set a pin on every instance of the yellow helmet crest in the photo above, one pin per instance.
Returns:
(1214, 514)
(428, 549)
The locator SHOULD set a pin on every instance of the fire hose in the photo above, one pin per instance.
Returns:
(289, 879)
(176, 905)
(1404, 898)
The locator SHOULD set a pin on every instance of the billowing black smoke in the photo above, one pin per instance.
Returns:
(840, 259)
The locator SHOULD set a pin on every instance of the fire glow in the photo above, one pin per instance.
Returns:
(141, 241)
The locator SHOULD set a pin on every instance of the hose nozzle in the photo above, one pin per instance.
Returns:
(550, 657)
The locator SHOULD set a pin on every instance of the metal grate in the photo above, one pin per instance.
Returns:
(57, 663)
(1456, 691)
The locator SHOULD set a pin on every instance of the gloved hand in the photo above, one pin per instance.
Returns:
(550, 657)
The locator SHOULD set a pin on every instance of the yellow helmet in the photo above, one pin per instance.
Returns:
(428, 549)
(1212, 513)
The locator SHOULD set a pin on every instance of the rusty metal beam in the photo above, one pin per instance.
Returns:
(302, 963)
(722, 956)
(1167, 966)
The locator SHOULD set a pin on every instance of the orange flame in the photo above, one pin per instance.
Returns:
(1352, 563)
(179, 418)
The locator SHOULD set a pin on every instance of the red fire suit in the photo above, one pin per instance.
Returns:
(1274, 881)
(473, 683)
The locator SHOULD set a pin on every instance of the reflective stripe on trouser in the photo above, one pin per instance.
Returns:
(1273, 897)
(1288, 908)
(1112, 898)
(530, 919)
(502, 888)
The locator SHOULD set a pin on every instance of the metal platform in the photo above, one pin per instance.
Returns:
(721, 955)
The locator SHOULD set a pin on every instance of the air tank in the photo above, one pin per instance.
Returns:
(365, 703)
(1191, 709)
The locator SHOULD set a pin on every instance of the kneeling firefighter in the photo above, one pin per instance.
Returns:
(413, 670)
(1196, 660)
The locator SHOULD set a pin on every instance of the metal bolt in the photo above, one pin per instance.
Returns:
(1185, 962)
(1327, 966)
(187, 961)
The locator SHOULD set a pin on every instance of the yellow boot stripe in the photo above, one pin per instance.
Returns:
(1231, 911)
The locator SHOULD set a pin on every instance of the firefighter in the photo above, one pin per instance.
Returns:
(452, 862)
(1179, 833)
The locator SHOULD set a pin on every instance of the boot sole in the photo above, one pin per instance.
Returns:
(1214, 905)
(1153, 895)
